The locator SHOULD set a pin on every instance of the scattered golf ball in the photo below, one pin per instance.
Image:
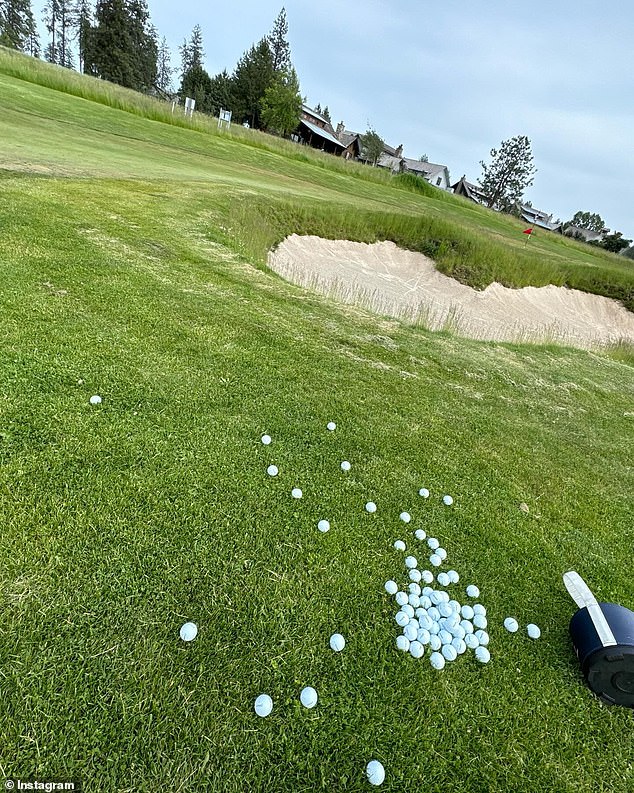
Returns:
(399, 545)
(415, 575)
(434, 641)
(375, 772)
(414, 589)
(391, 587)
(482, 637)
(447, 501)
(188, 631)
(263, 705)
(471, 641)
(480, 621)
(402, 620)
(337, 642)
(443, 579)
(423, 492)
(437, 660)
(411, 562)
(478, 608)
(402, 642)
(331, 426)
(345, 466)
(533, 631)
(405, 517)
(370, 506)
(435, 560)
(449, 652)
(272, 470)
(427, 576)
(473, 591)
(266, 440)
(408, 609)
(308, 697)
(466, 611)
(483, 655)
(453, 576)
(323, 525)
(510, 623)
(401, 598)
(433, 543)
(442, 553)
(296, 492)
(410, 632)
(420, 534)
(95, 400)
(460, 645)
(416, 649)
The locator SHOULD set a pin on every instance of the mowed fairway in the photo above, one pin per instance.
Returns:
(132, 267)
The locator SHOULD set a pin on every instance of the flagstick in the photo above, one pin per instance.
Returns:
(528, 236)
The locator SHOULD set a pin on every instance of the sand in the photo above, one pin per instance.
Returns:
(407, 285)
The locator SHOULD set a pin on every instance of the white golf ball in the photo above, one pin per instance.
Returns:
(473, 591)
(405, 517)
(95, 400)
(423, 492)
(337, 642)
(331, 426)
(443, 579)
(433, 543)
(459, 645)
(478, 608)
(533, 631)
(401, 618)
(433, 614)
(391, 587)
(399, 545)
(410, 632)
(414, 589)
(434, 642)
(425, 601)
(402, 642)
(442, 553)
(416, 649)
(308, 697)
(411, 562)
(296, 492)
(437, 660)
(263, 705)
(480, 621)
(272, 470)
(188, 631)
(407, 609)
(453, 576)
(423, 636)
(510, 623)
(427, 576)
(471, 641)
(482, 637)
(266, 440)
(447, 501)
(436, 597)
(455, 606)
(445, 638)
(435, 560)
(414, 601)
(323, 525)
(444, 609)
(425, 621)
(420, 534)
(449, 652)
(483, 655)
(345, 466)
(415, 575)
(401, 598)
(467, 612)
(370, 507)
(467, 626)
(375, 772)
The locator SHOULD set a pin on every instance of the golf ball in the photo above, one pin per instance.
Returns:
(95, 400)
(423, 492)
(188, 631)
(434, 641)
(391, 587)
(445, 638)
(427, 576)
(420, 534)
(407, 609)
(410, 561)
(459, 645)
(263, 705)
(473, 591)
(444, 609)
(296, 492)
(510, 623)
(437, 660)
(478, 608)
(425, 601)
(331, 426)
(337, 642)
(402, 620)
(533, 631)
(466, 611)
(480, 621)
(447, 501)
(375, 772)
(414, 589)
(482, 637)
(414, 575)
(323, 525)
(449, 652)
(399, 545)
(433, 614)
(443, 579)
(414, 601)
(466, 626)
(416, 649)
(453, 576)
(433, 543)
(308, 697)
(435, 560)
(402, 642)
(272, 470)
(471, 641)
(405, 517)
(483, 655)
(345, 466)
(425, 621)
(410, 632)
(401, 598)
(266, 440)
(442, 553)
(423, 636)
(370, 506)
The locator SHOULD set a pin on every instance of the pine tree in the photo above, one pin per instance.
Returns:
(196, 84)
(253, 75)
(326, 114)
(220, 93)
(164, 70)
(81, 20)
(511, 171)
(58, 18)
(279, 46)
(196, 51)
(17, 25)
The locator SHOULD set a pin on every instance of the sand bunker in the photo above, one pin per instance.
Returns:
(406, 285)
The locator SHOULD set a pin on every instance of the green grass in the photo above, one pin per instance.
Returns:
(132, 259)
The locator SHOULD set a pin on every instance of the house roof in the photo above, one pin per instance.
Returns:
(430, 169)
(348, 137)
(322, 133)
(472, 191)
(389, 161)
(314, 113)
(540, 222)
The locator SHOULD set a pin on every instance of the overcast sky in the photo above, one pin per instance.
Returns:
(453, 78)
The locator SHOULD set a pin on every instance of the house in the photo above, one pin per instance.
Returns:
(317, 131)
(585, 234)
(351, 141)
(435, 174)
(536, 217)
(469, 190)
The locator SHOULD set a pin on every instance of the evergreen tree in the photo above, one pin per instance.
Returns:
(509, 174)
(17, 25)
(253, 75)
(196, 84)
(282, 103)
(81, 20)
(279, 46)
(372, 145)
(192, 52)
(164, 70)
(326, 114)
(32, 44)
(221, 95)
(58, 18)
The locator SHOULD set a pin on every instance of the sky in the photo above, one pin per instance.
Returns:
(452, 79)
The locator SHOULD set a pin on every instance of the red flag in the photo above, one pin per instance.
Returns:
(527, 231)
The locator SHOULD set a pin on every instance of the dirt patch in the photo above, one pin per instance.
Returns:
(407, 285)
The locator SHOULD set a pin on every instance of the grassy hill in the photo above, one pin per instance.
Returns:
(132, 247)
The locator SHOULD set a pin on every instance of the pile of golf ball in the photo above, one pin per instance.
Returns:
(431, 621)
